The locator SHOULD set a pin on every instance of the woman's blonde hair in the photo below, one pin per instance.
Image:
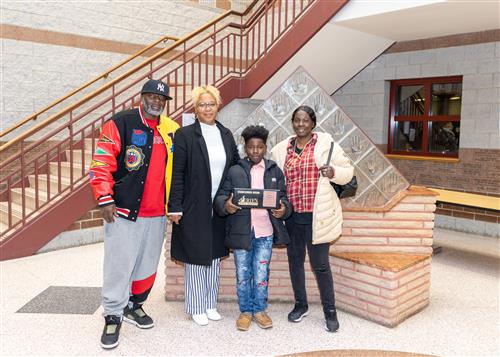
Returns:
(198, 91)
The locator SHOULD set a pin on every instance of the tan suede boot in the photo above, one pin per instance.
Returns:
(263, 320)
(244, 321)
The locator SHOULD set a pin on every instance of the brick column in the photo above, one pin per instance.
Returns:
(405, 226)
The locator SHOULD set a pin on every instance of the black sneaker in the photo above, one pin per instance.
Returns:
(111, 332)
(298, 312)
(137, 317)
(331, 321)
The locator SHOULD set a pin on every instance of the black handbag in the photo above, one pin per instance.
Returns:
(347, 190)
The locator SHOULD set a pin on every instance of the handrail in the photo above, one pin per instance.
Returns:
(39, 170)
(160, 53)
(79, 89)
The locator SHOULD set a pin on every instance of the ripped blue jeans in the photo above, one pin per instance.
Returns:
(252, 274)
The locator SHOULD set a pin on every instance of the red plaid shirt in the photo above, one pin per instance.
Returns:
(301, 176)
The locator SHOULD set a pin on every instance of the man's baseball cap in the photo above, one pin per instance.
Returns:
(156, 87)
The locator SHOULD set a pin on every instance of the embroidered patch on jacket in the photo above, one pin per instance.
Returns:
(139, 137)
(134, 158)
(97, 163)
(106, 140)
(100, 151)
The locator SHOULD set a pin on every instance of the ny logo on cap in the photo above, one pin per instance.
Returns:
(161, 87)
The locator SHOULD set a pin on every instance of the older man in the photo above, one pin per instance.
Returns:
(131, 164)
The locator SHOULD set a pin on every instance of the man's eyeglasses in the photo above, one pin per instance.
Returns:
(206, 105)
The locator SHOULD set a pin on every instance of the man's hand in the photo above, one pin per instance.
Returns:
(279, 212)
(109, 213)
(174, 218)
(229, 206)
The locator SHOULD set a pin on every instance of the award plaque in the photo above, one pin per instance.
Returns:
(255, 198)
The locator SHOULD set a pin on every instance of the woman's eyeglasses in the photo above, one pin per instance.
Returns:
(206, 105)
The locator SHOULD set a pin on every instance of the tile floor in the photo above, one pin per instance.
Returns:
(461, 320)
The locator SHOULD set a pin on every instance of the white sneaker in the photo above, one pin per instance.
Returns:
(213, 315)
(200, 319)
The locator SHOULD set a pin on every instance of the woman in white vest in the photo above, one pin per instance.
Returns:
(317, 217)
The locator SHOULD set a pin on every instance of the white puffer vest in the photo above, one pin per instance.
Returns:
(327, 215)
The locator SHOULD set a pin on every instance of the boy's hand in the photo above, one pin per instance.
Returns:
(229, 206)
(279, 212)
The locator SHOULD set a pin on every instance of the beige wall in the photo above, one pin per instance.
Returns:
(51, 48)
(365, 98)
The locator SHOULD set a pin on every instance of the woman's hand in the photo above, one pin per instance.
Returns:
(229, 206)
(174, 218)
(279, 212)
(327, 171)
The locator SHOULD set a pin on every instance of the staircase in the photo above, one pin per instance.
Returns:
(44, 185)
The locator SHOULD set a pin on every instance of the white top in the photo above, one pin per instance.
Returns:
(216, 153)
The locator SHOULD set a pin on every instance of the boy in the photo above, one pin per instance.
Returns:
(252, 232)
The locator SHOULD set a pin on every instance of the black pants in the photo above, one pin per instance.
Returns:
(299, 227)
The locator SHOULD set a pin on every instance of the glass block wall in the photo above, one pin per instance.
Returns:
(378, 180)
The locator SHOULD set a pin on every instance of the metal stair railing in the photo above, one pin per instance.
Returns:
(224, 48)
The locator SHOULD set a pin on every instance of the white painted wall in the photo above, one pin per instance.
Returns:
(332, 57)
(355, 9)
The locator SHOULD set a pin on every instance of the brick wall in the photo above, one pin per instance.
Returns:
(460, 211)
(476, 172)
(406, 228)
(383, 296)
(92, 218)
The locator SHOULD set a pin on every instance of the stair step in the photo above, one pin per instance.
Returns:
(77, 156)
(17, 212)
(54, 186)
(3, 228)
(66, 169)
(88, 144)
(29, 197)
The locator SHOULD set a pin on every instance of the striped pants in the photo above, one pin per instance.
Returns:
(201, 286)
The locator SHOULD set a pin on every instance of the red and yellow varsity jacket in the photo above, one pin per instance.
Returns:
(121, 160)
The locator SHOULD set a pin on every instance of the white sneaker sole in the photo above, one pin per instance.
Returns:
(108, 347)
(200, 323)
(213, 315)
(132, 322)
(214, 318)
(301, 317)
